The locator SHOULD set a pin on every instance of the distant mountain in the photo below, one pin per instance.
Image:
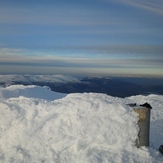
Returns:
(114, 86)
(6, 80)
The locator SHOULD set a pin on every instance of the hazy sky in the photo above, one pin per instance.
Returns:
(82, 37)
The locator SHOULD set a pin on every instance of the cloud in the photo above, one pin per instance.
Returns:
(155, 6)
(81, 66)
(61, 14)
(88, 35)
(123, 51)
(98, 21)
(10, 53)
(141, 71)
(80, 53)
(56, 14)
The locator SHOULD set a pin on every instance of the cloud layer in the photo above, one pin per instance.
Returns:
(81, 37)
(97, 65)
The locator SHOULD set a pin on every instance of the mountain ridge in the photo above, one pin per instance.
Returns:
(114, 86)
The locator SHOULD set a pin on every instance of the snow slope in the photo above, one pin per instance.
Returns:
(38, 125)
(30, 92)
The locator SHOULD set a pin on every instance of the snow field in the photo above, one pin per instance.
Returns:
(38, 125)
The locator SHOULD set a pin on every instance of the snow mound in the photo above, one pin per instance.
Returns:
(77, 128)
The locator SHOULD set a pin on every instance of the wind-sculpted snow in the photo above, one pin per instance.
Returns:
(77, 128)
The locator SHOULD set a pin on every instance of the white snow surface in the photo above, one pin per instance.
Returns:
(38, 125)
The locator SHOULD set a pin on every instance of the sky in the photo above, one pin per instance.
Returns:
(82, 37)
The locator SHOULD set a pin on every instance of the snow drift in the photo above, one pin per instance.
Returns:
(38, 125)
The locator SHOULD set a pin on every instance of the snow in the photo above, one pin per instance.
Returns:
(30, 92)
(38, 125)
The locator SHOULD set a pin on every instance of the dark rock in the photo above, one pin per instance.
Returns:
(146, 105)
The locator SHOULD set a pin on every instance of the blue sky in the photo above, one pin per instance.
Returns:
(82, 37)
